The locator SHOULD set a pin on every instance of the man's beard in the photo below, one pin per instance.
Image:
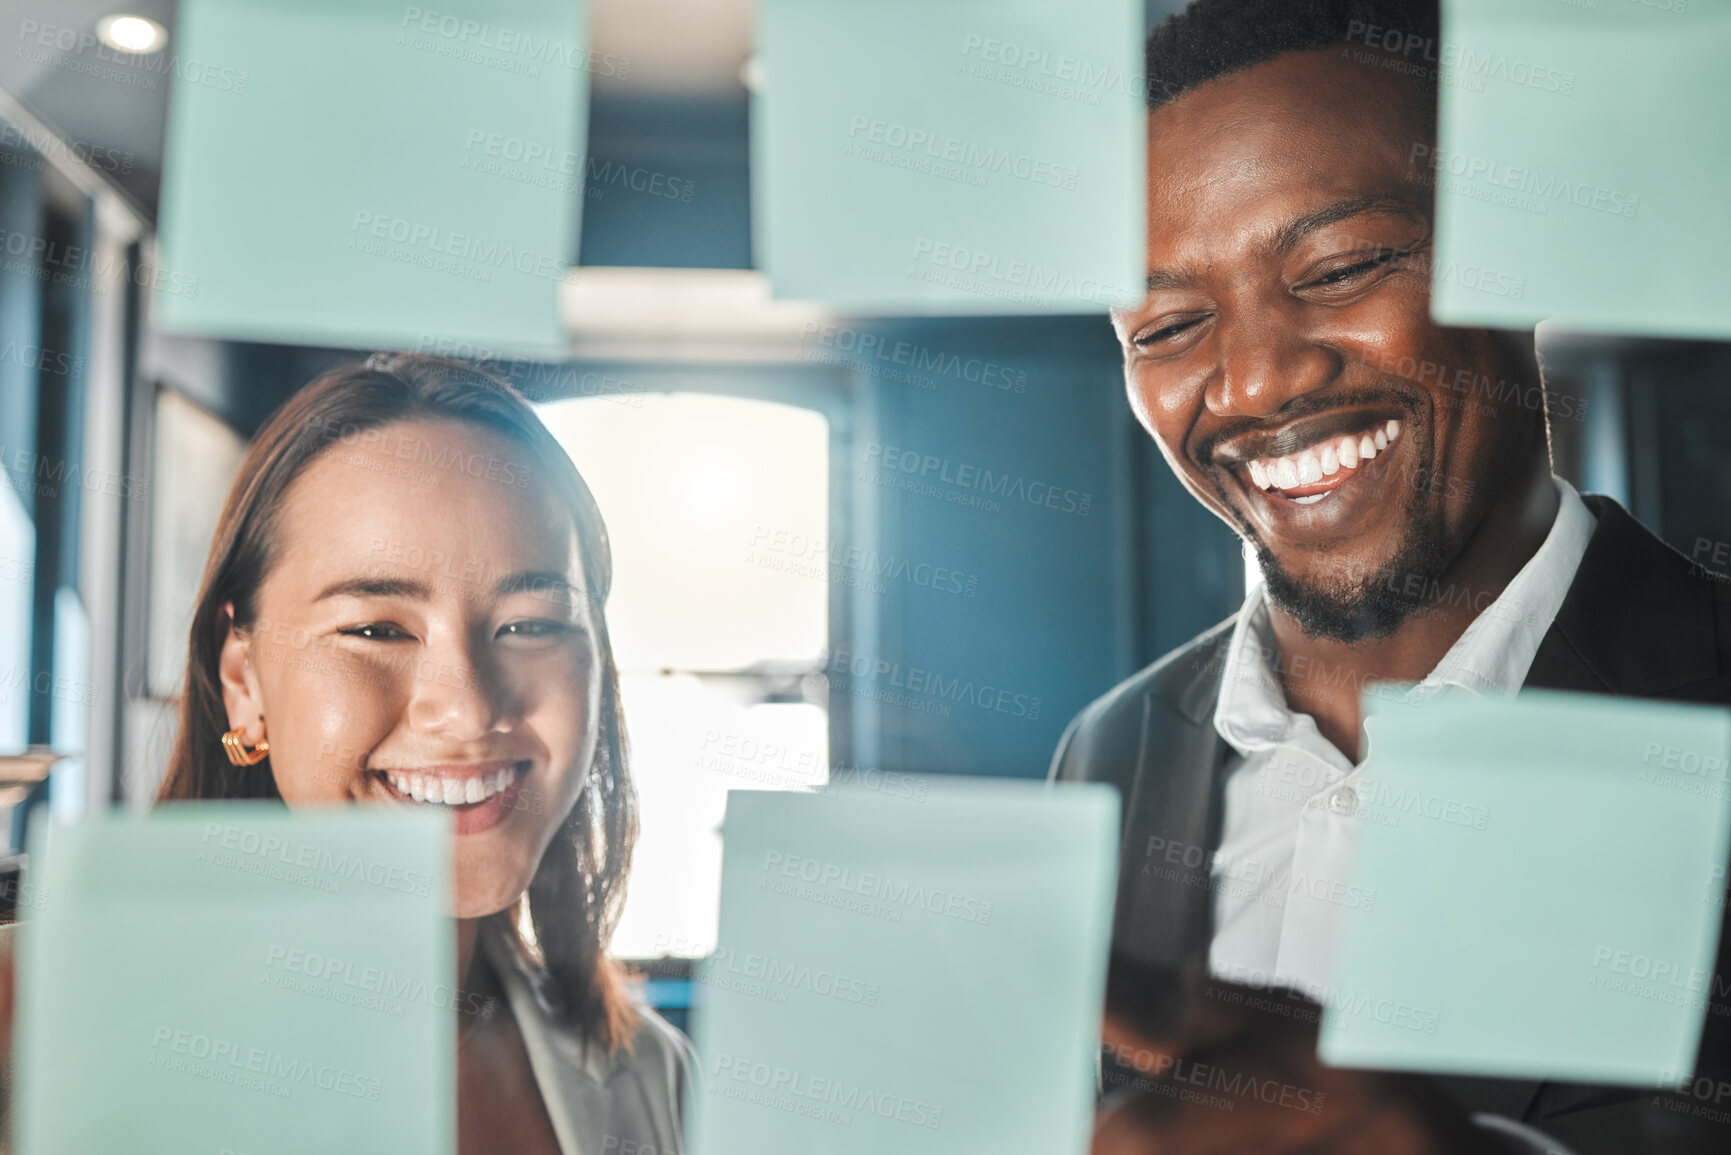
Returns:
(1357, 607)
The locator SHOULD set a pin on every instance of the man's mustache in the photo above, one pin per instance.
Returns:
(1292, 428)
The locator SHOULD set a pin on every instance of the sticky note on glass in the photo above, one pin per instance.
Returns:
(1581, 168)
(965, 156)
(870, 945)
(1548, 873)
(226, 977)
(369, 173)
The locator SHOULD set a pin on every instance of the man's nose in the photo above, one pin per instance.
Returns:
(1266, 360)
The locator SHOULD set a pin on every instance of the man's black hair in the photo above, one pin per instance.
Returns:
(1211, 38)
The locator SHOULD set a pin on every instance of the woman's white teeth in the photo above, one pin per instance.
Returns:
(1311, 465)
(452, 791)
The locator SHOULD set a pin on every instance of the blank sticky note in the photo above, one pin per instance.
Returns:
(228, 977)
(369, 173)
(907, 974)
(966, 156)
(1549, 872)
(1582, 165)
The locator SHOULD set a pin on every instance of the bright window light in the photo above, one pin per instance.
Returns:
(693, 486)
(133, 34)
(718, 513)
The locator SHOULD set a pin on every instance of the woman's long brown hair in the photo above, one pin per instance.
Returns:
(575, 895)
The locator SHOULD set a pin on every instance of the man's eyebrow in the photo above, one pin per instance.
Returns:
(1295, 231)
(1159, 279)
(374, 587)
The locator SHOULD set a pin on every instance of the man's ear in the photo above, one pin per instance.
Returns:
(241, 695)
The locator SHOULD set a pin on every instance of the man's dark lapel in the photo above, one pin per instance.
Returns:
(1153, 738)
(1640, 620)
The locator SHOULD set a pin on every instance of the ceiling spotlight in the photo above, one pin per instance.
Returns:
(132, 34)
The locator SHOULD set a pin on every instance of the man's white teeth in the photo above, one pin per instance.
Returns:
(452, 791)
(1311, 465)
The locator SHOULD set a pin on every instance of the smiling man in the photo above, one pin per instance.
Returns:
(1392, 476)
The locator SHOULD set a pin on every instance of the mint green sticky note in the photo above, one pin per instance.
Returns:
(230, 977)
(950, 156)
(907, 974)
(369, 173)
(1549, 871)
(1582, 165)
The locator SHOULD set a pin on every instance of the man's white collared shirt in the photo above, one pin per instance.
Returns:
(1283, 871)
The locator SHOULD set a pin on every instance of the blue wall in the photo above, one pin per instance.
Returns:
(668, 183)
(1052, 544)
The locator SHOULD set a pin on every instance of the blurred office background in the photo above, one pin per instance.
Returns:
(780, 576)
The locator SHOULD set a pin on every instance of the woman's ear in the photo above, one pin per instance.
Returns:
(241, 695)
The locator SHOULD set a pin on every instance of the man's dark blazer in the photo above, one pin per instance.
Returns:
(1640, 620)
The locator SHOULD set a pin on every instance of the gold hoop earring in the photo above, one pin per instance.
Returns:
(239, 754)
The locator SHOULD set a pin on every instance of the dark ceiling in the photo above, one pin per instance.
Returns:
(103, 105)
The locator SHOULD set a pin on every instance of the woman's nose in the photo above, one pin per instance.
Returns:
(459, 694)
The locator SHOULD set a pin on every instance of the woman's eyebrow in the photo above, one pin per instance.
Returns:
(375, 588)
(535, 581)
(547, 583)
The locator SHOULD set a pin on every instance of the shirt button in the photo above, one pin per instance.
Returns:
(1343, 801)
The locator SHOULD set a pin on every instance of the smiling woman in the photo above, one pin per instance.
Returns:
(403, 606)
